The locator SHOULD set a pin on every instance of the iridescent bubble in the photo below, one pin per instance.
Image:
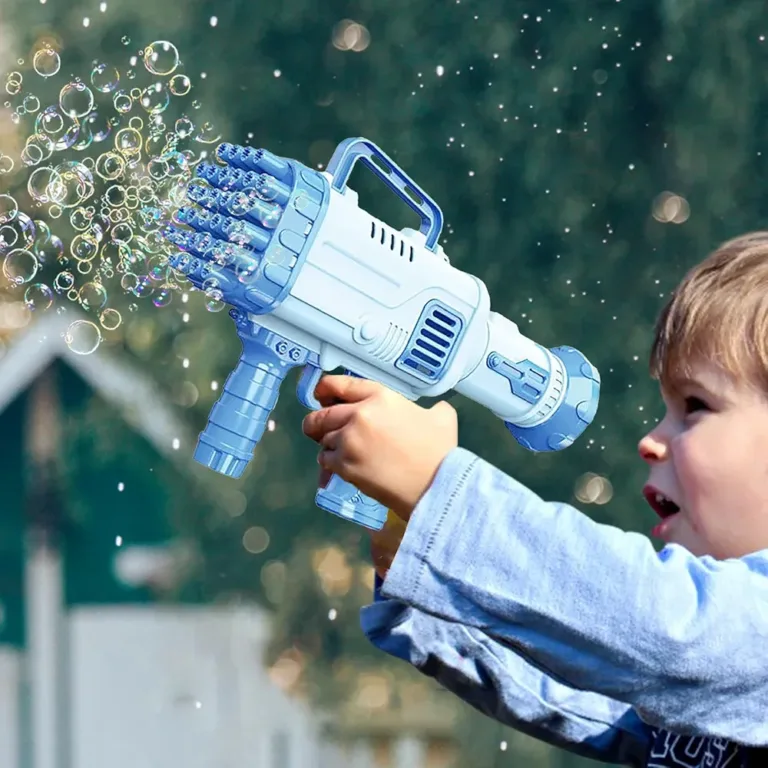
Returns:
(6, 163)
(155, 98)
(214, 301)
(50, 251)
(8, 208)
(115, 195)
(98, 125)
(61, 128)
(38, 147)
(92, 296)
(83, 247)
(38, 297)
(20, 232)
(20, 266)
(83, 337)
(13, 88)
(122, 102)
(128, 141)
(162, 297)
(110, 166)
(158, 268)
(143, 287)
(71, 184)
(179, 85)
(104, 78)
(46, 62)
(76, 99)
(80, 219)
(63, 282)
(161, 57)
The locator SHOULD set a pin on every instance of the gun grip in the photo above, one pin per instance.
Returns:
(342, 498)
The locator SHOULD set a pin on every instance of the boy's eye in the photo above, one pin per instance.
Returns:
(694, 404)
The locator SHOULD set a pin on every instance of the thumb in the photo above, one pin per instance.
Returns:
(445, 412)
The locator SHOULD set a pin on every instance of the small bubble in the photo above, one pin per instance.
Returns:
(125, 40)
(121, 486)
(118, 541)
(213, 21)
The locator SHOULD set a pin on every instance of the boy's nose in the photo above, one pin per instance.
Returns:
(652, 448)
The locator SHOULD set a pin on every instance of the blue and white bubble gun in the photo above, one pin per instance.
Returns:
(317, 282)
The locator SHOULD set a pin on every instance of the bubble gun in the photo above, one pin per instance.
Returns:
(315, 281)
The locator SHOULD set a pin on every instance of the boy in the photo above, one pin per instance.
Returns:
(577, 633)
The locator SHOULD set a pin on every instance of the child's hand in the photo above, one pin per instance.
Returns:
(385, 445)
(386, 542)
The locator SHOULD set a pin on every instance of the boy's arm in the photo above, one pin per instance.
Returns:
(680, 639)
(500, 683)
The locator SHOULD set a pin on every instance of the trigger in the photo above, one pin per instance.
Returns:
(305, 390)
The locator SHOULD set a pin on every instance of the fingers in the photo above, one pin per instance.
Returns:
(319, 423)
(348, 389)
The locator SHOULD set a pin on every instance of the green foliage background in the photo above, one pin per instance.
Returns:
(546, 141)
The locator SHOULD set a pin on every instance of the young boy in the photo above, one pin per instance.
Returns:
(576, 633)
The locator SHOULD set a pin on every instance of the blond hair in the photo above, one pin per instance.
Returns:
(718, 314)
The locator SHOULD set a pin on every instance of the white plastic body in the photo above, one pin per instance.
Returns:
(357, 301)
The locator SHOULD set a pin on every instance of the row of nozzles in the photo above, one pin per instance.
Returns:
(267, 187)
(249, 159)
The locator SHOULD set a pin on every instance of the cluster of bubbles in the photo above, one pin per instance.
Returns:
(100, 173)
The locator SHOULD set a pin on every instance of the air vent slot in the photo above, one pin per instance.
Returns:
(396, 243)
(433, 342)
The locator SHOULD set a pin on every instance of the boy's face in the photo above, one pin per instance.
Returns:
(709, 456)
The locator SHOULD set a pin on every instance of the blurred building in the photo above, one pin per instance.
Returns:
(96, 670)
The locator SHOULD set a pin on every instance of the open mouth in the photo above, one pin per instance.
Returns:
(662, 505)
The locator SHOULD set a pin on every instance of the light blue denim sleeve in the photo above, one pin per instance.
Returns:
(499, 682)
(680, 639)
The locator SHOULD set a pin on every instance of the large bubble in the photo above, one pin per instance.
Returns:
(161, 58)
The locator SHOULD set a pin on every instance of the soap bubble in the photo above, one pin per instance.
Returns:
(83, 337)
(155, 98)
(64, 282)
(179, 85)
(20, 266)
(46, 62)
(110, 166)
(50, 251)
(31, 103)
(84, 247)
(122, 102)
(104, 78)
(38, 297)
(110, 319)
(8, 208)
(76, 99)
(184, 127)
(6, 163)
(60, 127)
(214, 301)
(92, 296)
(162, 297)
(128, 141)
(161, 57)
(19, 232)
(71, 184)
